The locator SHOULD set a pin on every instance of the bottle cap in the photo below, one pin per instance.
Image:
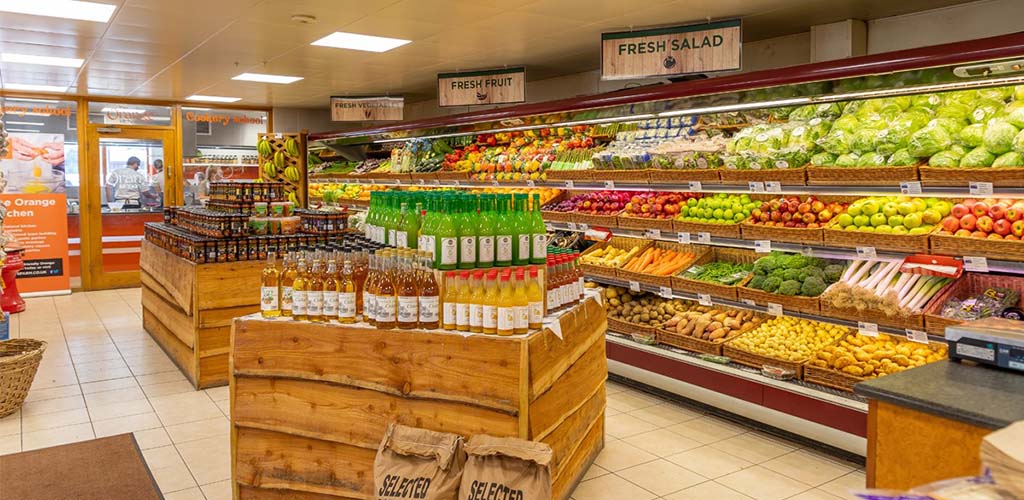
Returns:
(465, 275)
(504, 277)
(478, 274)
(533, 272)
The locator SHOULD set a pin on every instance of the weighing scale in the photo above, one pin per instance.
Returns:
(991, 341)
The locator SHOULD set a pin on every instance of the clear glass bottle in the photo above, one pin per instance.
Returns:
(428, 294)
(315, 292)
(347, 294)
(270, 289)
(370, 290)
(407, 292)
(289, 270)
(330, 291)
(387, 303)
(299, 287)
(360, 268)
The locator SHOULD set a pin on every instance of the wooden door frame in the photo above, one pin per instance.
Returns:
(90, 210)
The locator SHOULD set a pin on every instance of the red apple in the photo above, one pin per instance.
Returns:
(756, 213)
(1013, 214)
(951, 224)
(808, 218)
(764, 217)
(984, 223)
(776, 216)
(979, 234)
(1002, 227)
(790, 223)
(786, 217)
(1011, 237)
(969, 203)
(980, 209)
(813, 225)
(817, 206)
(960, 210)
(997, 211)
(968, 222)
(804, 208)
(825, 215)
(995, 236)
(963, 233)
(1017, 228)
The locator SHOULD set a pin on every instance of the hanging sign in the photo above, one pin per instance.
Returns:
(496, 86)
(677, 50)
(366, 109)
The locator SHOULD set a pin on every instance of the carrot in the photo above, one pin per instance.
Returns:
(634, 264)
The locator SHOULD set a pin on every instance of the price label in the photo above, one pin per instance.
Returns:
(866, 252)
(583, 227)
(755, 187)
(704, 238)
(634, 286)
(917, 336)
(495, 183)
(665, 291)
(569, 184)
(695, 186)
(398, 182)
(774, 309)
(912, 187)
(421, 181)
(573, 226)
(763, 246)
(437, 182)
(807, 252)
(609, 184)
(749, 302)
(772, 187)
(683, 238)
(704, 299)
(530, 183)
(976, 264)
(458, 183)
(548, 227)
(867, 329)
(652, 234)
(981, 188)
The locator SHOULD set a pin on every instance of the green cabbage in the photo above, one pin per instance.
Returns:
(827, 110)
(972, 135)
(930, 101)
(847, 123)
(818, 127)
(954, 110)
(864, 140)
(901, 158)
(945, 159)
(847, 160)
(823, 160)
(978, 157)
(836, 142)
(871, 160)
(986, 110)
(1011, 159)
(963, 97)
(1018, 142)
(999, 136)
(951, 125)
(928, 141)
(959, 149)
(803, 113)
(996, 93)
(1016, 117)
(912, 119)
(1018, 92)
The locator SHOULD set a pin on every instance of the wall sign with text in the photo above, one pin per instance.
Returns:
(366, 109)
(496, 86)
(678, 50)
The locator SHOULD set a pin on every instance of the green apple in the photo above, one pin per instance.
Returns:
(740, 217)
(728, 214)
(851, 227)
(890, 209)
(918, 230)
(912, 220)
(718, 213)
(906, 208)
(944, 207)
(870, 207)
(867, 229)
(844, 220)
(931, 216)
(919, 204)
(884, 229)
(878, 219)
(854, 209)
(861, 220)
(930, 202)
(900, 230)
(896, 220)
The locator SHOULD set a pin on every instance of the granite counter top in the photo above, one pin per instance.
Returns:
(977, 395)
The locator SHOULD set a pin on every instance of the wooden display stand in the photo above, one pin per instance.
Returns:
(188, 308)
(310, 402)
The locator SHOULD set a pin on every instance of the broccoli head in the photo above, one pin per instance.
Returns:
(757, 281)
(770, 284)
(793, 274)
(813, 287)
(813, 271)
(778, 273)
(767, 264)
(833, 272)
(797, 261)
(789, 287)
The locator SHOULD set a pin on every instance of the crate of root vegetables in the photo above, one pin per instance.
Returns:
(857, 357)
(639, 314)
(784, 343)
(705, 329)
(658, 262)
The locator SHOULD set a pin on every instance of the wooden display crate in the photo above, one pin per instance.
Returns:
(187, 308)
(947, 244)
(861, 176)
(698, 251)
(807, 235)
(620, 242)
(310, 402)
(785, 176)
(277, 142)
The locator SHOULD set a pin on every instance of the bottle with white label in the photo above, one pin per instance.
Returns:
(449, 318)
(427, 241)
(289, 270)
(538, 234)
(476, 302)
(523, 231)
(299, 286)
(490, 307)
(428, 295)
(447, 237)
(535, 297)
(505, 233)
(462, 302)
(401, 235)
(506, 309)
(386, 307)
(270, 305)
(521, 304)
(369, 291)
(346, 293)
(467, 220)
(407, 293)
(330, 310)
(315, 293)
(485, 232)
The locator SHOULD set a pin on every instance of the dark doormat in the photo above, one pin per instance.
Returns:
(110, 468)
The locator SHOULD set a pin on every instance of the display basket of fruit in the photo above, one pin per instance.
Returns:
(793, 281)
(576, 174)
(796, 303)
(557, 211)
(654, 210)
(719, 273)
(973, 296)
(657, 263)
(604, 259)
(721, 230)
(791, 219)
(598, 219)
(684, 166)
(661, 223)
(861, 176)
(632, 176)
(705, 329)
(594, 208)
(785, 176)
(629, 328)
(991, 228)
(843, 365)
(897, 223)
(718, 215)
(782, 342)
(685, 175)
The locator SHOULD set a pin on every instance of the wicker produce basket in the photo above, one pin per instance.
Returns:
(19, 360)
(607, 221)
(812, 236)
(837, 379)
(719, 230)
(656, 280)
(861, 176)
(809, 305)
(896, 242)
(552, 216)
(692, 344)
(632, 176)
(968, 285)
(682, 176)
(570, 175)
(627, 222)
(621, 242)
(785, 176)
(717, 254)
(620, 326)
(915, 321)
(451, 176)
(1000, 177)
(947, 244)
(757, 361)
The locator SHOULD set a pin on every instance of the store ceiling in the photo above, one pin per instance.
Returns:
(160, 49)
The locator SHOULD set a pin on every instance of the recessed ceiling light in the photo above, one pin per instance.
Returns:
(353, 41)
(35, 87)
(264, 78)
(67, 62)
(23, 130)
(67, 9)
(35, 124)
(212, 98)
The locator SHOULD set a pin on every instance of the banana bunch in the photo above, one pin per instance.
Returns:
(263, 147)
(291, 146)
(293, 198)
(269, 170)
(279, 159)
(292, 174)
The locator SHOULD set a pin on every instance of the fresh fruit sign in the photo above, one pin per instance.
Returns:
(678, 50)
(498, 86)
(366, 109)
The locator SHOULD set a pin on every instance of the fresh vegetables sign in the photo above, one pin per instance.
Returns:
(678, 50)
(498, 86)
(367, 109)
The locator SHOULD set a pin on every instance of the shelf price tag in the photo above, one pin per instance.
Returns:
(683, 238)
(458, 183)
(866, 252)
(573, 226)
(807, 252)
(763, 246)
(694, 186)
(772, 187)
(665, 291)
(398, 182)
(634, 286)
(704, 299)
(569, 184)
(421, 181)
(609, 184)
(530, 183)
(583, 227)
(549, 227)
(495, 183)
(774, 309)
(755, 187)
(976, 264)
(652, 234)
(704, 238)
(436, 182)
(980, 188)
(910, 187)
(867, 329)
(749, 302)
(917, 336)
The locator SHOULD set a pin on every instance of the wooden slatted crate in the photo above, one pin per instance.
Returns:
(277, 143)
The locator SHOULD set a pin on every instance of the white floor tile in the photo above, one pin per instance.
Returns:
(158, 378)
(209, 459)
(152, 438)
(707, 491)
(109, 385)
(662, 442)
(709, 461)
(53, 393)
(809, 467)
(11, 424)
(54, 405)
(167, 388)
(189, 494)
(625, 425)
(54, 420)
(763, 484)
(219, 393)
(756, 447)
(53, 437)
(10, 444)
(187, 407)
(708, 429)
(202, 429)
(221, 490)
(114, 396)
(618, 455)
(666, 414)
(611, 487)
(661, 477)
(842, 486)
(121, 409)
(122, 425)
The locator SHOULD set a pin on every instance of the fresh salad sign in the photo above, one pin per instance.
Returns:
(497, 86)
(366, 109)
(678, 50)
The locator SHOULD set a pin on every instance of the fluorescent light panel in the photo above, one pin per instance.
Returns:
(212, 98)
(34, 124)
(66, 62)
(353, 41)
(19, 99)
(264, 78)
(35, 87)
(66, 9)
(23, 130)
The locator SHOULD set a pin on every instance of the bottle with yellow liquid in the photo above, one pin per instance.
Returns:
(347, 292)
(270, 291)
(490, 304)
(449, 318)
(462, 301)
(330, 291)
(428, 293)
(387, 302)
(407, 292)
(289, 270)
(476, 302)
(299, 287)
(506, 307)
(520, 303)
(535, 296)
(315, 292)
(370, 291)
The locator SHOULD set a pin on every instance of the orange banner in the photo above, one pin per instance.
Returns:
(39, 224)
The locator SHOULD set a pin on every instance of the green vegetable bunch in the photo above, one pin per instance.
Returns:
(794, 274)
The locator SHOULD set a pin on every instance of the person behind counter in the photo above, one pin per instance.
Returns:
(153, 197)
(126, 184)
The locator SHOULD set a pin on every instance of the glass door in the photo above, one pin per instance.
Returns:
(125, 186)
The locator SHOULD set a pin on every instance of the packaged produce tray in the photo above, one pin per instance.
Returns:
(632, 176)
(719, 230)
(570, 175)
(607, 221)
(999, 177)
(620, 242)
(627, 222)
(861, 176)
(836, 379)
(809, 305)
(947, 244)
(968, 285)
(656, 280)
(812, 236)
(692, 344)
(728, 292)
(682, 176)
(894, 242)
(758, 361)
(785, 176)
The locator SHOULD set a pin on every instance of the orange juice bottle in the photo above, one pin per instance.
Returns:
(462, 311)
(536, 300)
(520, 303)
(506, 308)
(490, 307)
(476, 303)
(449, 317)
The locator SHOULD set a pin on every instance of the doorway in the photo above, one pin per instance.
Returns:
(125, 183)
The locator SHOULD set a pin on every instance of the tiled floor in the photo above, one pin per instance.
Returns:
(103, 375)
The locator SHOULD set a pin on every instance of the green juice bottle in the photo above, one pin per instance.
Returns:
(485, 232)
(427, 241)
(522, 224)
(394, 218)
(467, 231)
(409, 227)
(504, 233)
(538, 234)
(447, 235)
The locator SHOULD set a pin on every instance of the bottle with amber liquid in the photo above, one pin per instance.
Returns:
(347, 295)
(407, 292)
(270, 291)
(299, 288)
(370, 290)
(386, 298)
(330, 290)
(289, 270)
(359, 270)
(429, 294)
(315, 292)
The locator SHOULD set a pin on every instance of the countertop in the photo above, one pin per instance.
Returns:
(976, 395)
